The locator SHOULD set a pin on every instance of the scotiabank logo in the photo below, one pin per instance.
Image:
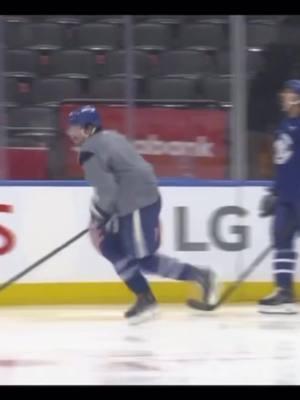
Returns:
(7, 237)
(152, 145)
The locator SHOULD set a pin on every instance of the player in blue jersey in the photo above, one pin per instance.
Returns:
(125, 211)
(283, 202)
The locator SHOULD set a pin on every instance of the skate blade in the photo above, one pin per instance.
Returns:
(288, 309)
(199, 305)
(146, 316)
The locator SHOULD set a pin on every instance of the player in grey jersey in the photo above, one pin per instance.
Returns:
(125, 212)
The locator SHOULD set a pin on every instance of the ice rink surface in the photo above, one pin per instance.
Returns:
(93, 345)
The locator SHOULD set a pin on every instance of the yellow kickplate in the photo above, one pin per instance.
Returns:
(117, 293)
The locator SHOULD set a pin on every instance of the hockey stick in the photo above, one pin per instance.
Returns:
(42, 260)
(198, 305)
(210, 307)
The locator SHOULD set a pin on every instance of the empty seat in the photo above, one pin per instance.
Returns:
(110, 89)
(111, 19)
(15, 140)
(64, 19)
(184, 63)
(260, 35)
(103, 37)
(32, 118)
(11, 97)
(85, 19)
(166, 19)
(254, 62)
(212, 19)
(217, 88)
(288, 35)
(16, 18)
(20, 63)
(46, 36)
(151, 37)
(119, 19)
(15, 92)
(223, 63)
(75, 64)
(37, 17)
(265, 18)
(201, 36)
(35, 123)
(172, 89)
(140, 18)
(53, 90)
(115, 65)
(16, 34)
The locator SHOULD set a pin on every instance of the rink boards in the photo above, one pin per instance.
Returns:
(212, 224)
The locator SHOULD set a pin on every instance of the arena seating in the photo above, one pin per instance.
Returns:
(91, 47)
(176, 58)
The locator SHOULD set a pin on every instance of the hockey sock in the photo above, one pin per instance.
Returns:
(190, 273)
(132, 277)
(138, 284)
(170, 268)
(283, 268)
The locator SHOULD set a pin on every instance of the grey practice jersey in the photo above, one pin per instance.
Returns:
(122, 179)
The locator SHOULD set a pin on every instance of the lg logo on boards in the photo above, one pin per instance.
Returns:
(215, 223)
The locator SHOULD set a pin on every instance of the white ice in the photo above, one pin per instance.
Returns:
(94, 345)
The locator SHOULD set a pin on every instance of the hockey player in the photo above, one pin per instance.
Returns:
(283, 202)
(125, 212)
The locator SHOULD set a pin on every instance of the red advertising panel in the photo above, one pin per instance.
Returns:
(189, 142)
(27, 162)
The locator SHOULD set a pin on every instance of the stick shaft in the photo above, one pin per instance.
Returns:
(255, 263)
(42, 260)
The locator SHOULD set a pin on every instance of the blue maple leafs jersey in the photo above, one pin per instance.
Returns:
(287, 159)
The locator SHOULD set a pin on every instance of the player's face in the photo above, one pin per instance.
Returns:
(288, 99)
(76, 134)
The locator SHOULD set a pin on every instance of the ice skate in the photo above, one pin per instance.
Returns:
(279, 302)
(208, 282)
(144, 309)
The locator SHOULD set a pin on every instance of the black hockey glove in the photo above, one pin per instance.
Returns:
(268, 204)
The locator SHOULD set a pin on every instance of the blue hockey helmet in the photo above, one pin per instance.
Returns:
(294, 85)
(85, 116)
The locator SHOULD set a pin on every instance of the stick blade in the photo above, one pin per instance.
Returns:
(199, 305)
